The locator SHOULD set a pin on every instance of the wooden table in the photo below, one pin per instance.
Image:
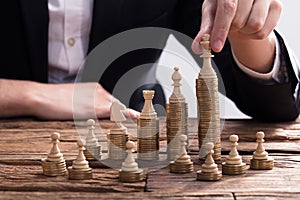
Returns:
(25, 141)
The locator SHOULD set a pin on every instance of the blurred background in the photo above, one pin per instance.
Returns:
(288, 28)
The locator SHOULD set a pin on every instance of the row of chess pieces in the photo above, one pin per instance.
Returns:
(54, 164)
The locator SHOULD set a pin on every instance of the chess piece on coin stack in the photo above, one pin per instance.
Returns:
(130, 172)
(148, 130)
(118, 135)
(177, 117)
(54, 164)
(80, 169)
(210, 171)
(92, 150)
(233, 164)
(209, 129)
(260, 158)
(183, 163)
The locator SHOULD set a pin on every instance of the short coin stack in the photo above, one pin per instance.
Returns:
(209, 129)
(233, 164)
(209, 170)
(148, 130)
(183, 163)
(260, 158)
(54, 164)
(118, 136)
(177, 117)
(92, 148)
(130, 172)
(80, 169)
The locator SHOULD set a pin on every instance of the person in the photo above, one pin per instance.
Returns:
(44, 43)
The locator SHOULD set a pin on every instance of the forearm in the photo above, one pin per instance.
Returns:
(15, 98)
(257, 55)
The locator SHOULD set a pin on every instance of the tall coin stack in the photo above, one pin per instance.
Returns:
(92, 148)
(54, 164)
(118, 135)
(80, 169)
(209, 129)
(177, 117)
(148, 130)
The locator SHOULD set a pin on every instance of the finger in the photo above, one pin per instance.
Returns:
(241, 16)
(208, 16)
(131, 113)
(224, 15)
(257, 17)
(271, 21)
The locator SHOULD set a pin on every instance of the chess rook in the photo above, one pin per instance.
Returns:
(92, 150)
(130, 172)
(233, 164)
(54, 164)
(118, 135)
(260, 158)
(80, 169)
(183, 163)
(177, 117)
(210, 171)
(148, 130)
(209, 129)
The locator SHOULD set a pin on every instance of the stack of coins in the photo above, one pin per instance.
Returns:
(233, 164)
(92, 148)
(209, 170)
(177, 117)
(260, 158)
(80, 169)
(183, 163)
(117, 139)
(209, 129)
(130, 172)
(54, 164)
(148, 130)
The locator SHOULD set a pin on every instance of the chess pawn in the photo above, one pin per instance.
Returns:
(130, 172)
(233, 164)
(54, 164)
(80, 169)
(209, 170)
(183, 163)
(260, 158)
(92, 148)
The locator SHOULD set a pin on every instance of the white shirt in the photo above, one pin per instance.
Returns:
(69, 30)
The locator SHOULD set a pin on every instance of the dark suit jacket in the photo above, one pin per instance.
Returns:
(25, 38)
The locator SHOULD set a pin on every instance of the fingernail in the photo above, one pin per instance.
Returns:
(217, 46)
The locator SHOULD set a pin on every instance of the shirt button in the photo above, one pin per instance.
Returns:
(71, 41)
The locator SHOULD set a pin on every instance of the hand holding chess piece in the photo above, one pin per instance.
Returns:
(80, 169)
(233, 164)
(92, 150)
(130, 172)
(183, 163)
(209, 170)
(260, 158)
(54, 164)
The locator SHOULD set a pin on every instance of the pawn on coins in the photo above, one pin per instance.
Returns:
(130, 172)
(260, 158)
(183, 163)
(54, 164)
(233, 164)
(80, 169)
(92, 150)
(210, 171)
